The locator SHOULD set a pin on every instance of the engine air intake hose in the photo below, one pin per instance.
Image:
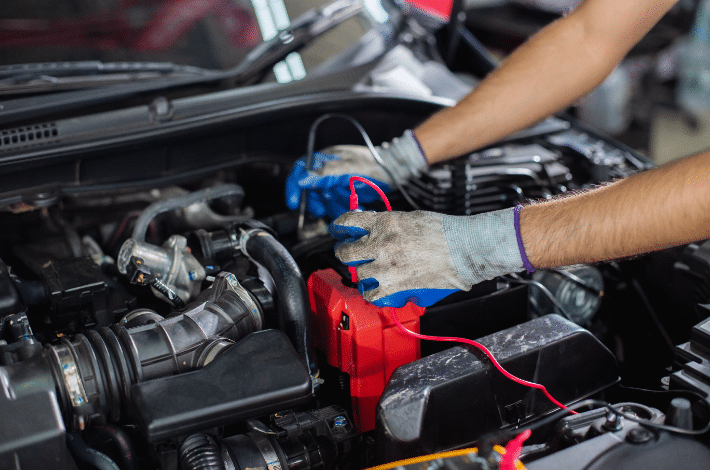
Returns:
(291, 293)
(200, 452)
(86, 454)
(94, 372)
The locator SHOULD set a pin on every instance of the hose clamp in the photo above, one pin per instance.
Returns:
(267, 451)
(247, 299)
(70, 374)
(245, 235)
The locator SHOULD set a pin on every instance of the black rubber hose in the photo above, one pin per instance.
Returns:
(180, 202)
(200, 452)
(86, 454)
(33, 293)
(122, 442)
(291, 293)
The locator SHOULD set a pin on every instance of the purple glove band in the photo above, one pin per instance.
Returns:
(421, 151)
(526, 263)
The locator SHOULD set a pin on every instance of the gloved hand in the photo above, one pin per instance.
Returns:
(328, 183)
(423, 256)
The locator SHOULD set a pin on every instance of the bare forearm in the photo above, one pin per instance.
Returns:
(523, 90)
(563, 62)
(657, 209)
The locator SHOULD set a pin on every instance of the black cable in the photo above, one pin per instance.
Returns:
(515, 278)
(664, 427)
(558, 415)
(652, 313)
(661, 427)
(167, 292)
(487, 60)
(508, 434)
(310, 150)
(649, 308)
(579, 281)
(674, 393)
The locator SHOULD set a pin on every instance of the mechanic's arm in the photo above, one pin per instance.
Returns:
(664, 207)
(422, 257)
(561, 63)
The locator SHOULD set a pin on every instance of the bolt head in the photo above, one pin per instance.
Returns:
(340, 421)
(639, 435)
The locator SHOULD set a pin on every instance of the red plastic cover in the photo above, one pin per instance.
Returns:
(440, 8)
(360, 339)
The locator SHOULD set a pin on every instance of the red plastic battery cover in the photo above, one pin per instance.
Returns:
(360, 339)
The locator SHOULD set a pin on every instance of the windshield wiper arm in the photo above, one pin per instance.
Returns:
(305, 28)
(62, 69)
(57, 76)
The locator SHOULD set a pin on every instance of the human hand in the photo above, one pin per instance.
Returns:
(327, 185)
(423, 256)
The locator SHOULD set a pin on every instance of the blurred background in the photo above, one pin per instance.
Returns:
(657, 101)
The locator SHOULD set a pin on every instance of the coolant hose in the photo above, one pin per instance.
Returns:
(122, 442)
(180, 202)
(200, 452)
(291, 293)
(86, 454)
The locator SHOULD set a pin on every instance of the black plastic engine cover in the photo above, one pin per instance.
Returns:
(644, 451)
(261, 374)
(451, 398)
(609, 451)
(32, 436)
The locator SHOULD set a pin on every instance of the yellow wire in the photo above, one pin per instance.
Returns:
(441, 455)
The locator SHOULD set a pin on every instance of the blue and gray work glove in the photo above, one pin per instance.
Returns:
(423, 256)
(328, 183)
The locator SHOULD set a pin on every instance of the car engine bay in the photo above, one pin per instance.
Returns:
(161, 308)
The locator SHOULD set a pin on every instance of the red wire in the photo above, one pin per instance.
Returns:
(513, 450)
(354, 206)
(487, 353)
(353, 194)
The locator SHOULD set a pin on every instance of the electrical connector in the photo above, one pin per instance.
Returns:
(137, 272)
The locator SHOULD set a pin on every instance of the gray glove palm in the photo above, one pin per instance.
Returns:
(424, 256)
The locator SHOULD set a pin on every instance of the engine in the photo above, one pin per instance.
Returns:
(200, 326)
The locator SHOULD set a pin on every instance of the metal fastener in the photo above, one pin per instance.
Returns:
(638, 436)
(340, 421)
